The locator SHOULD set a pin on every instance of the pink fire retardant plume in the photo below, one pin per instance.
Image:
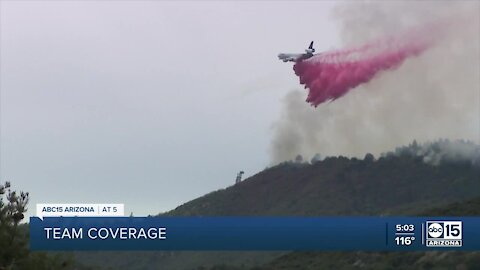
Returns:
(330, 75)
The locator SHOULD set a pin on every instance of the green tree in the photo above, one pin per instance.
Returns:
(14, 250)
(13, 243)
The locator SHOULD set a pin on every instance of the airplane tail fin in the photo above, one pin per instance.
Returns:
(310, 48)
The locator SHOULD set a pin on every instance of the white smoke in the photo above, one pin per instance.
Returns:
(436, 95)
(443, 150)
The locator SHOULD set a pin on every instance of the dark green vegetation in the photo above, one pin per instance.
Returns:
(465, 208)
(395, 185)
(14, 253)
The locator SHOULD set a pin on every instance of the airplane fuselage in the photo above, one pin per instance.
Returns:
(294, 57)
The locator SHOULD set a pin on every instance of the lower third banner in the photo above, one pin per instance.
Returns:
(255, 233)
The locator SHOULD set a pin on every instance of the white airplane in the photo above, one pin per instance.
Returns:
(296, 57)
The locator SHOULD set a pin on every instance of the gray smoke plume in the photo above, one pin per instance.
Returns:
(441, 151)
(435, 95)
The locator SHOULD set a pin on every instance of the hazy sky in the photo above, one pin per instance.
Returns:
(147, 103)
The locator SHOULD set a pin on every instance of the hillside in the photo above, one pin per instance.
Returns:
(399, 183)
(339, 186)
(388, 260)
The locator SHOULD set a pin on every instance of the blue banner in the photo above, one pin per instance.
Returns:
(255, 233)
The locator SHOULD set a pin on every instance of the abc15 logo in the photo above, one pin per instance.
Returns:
(447, 230)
